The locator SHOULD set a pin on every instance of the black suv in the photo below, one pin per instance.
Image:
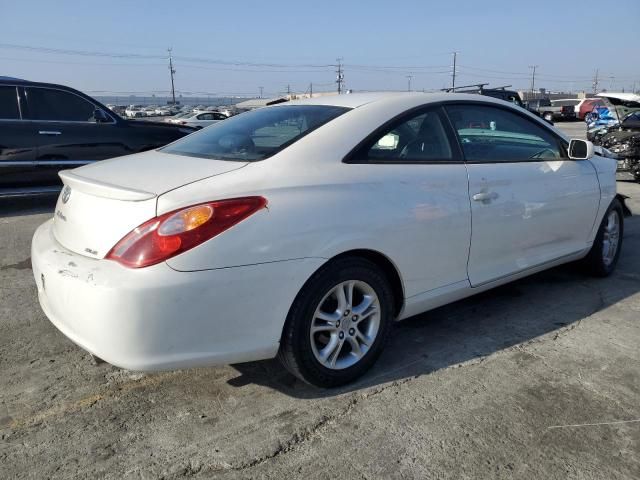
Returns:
(45, 128)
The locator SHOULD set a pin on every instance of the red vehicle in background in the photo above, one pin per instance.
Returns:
(587, 106)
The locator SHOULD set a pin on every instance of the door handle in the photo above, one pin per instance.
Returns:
(49, 132)
(485, 197)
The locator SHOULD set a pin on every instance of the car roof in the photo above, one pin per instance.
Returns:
(4, 79)
(355, 100)
(628, 97)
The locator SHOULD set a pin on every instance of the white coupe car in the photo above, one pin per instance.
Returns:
(203, 119)
(305, 230)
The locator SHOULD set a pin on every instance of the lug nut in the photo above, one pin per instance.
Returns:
(346, 313)
(341, 335)
(354, 318)
(337, 323)
(352, 331)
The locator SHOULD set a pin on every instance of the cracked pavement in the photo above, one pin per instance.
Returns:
(536, 379)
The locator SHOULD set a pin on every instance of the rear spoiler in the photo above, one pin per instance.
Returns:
(103, 189)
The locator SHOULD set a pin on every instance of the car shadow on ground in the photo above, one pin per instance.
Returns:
(552, 302)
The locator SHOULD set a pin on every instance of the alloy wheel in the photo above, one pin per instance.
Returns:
(611, 238)
(345, 324)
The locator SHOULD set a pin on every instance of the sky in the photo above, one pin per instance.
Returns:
(234, 48)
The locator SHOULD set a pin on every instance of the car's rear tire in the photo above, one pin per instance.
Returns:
(603, 256)
(338, 323)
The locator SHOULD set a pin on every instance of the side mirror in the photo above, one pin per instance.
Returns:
(580, 149)
(100, 116)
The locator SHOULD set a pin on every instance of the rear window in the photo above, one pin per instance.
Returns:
(9, 103)
(255, 135)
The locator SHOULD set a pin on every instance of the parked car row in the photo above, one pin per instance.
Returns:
(140, 111)
(46, 128)
(199, 116)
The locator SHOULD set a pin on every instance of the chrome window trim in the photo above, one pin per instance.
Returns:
(35, 163)
(113, 120)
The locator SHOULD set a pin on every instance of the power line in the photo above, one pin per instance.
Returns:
(92, 53)
(227, 65)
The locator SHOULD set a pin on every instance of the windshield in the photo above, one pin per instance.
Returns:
(257, 134)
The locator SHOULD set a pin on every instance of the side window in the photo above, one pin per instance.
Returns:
(205, 116)
(9, 104)
(419, 138)
(219, 116)
(49, 104)
(494, 134)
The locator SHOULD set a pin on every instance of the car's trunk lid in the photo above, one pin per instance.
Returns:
(101, 203)
(155, 171)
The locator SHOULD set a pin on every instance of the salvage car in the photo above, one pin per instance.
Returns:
(624, 141)
(305, 230)
(620, 137)
(46, 128)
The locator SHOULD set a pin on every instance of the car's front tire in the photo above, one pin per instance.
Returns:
(603, 256)
(338, 323)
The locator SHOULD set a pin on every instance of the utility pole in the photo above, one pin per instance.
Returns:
(595, 82)
(261, 89)
(612, 82)
(409, 77)
(533, 78)
(288, 90)
(453, 72)
(311, 90)
(172, 71)
(340, 75)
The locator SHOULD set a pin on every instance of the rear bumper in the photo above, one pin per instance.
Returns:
(157, 318)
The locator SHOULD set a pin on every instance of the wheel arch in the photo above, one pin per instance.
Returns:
(387, 266)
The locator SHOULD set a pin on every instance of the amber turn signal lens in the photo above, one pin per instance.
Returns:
(186, 220)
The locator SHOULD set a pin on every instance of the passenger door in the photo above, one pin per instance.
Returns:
(422, 203)
(530, 204)
(68, 135)
(18, 143)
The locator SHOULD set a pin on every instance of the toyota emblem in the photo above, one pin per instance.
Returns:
(66, 194)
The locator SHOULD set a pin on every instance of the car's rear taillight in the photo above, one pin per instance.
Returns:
(175, 232)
